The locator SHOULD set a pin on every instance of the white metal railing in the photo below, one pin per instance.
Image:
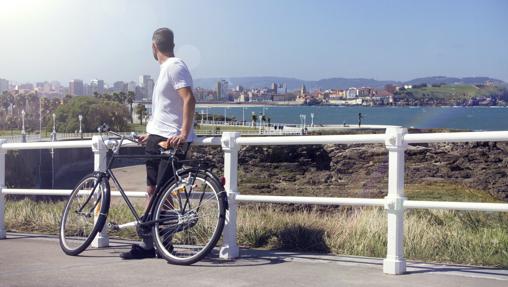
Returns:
(395, 139)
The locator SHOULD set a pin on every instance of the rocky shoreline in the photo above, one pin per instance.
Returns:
(362, 170)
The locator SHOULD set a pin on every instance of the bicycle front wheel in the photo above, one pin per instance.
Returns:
(84, 214)
(189, 218)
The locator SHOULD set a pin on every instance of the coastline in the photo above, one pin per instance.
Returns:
(286, 104)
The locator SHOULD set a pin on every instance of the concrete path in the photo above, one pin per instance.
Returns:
(36, 260)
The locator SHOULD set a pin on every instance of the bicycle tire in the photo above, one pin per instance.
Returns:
(67, 234)
(182, 240)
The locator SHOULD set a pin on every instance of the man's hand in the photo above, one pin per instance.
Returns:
(142, 139)
(174, 141)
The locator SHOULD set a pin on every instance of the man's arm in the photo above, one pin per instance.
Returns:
(189, 106)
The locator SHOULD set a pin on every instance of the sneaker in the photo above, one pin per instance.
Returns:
(138, 252)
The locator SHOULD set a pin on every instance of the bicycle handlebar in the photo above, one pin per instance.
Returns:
(104, 128)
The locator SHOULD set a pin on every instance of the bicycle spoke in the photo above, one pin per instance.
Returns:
(192, 234)
(82, 214)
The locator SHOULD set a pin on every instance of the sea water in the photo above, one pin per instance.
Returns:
(470, 118)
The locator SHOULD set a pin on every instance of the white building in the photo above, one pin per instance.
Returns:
(351, 93)
(146, 83)
(76, 87)
(120, 86)
(96, 86)
(222, 90)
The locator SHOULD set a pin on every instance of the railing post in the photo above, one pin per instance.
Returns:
(229, 249)
(395, 262)
(3, 232)
(100, 163)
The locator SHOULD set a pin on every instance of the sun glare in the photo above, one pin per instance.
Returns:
(16, 8)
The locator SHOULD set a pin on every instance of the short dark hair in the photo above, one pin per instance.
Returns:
(164, 40)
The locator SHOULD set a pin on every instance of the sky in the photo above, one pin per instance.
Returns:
(382, 39)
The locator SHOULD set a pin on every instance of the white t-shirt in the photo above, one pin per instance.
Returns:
(167, 106)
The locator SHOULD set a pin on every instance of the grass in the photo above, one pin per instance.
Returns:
(14, 132)
(460, 237)
(446, 191)
(200, 129)
(455, 91)
(430, 235)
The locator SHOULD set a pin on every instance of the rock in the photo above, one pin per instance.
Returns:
(364, 168)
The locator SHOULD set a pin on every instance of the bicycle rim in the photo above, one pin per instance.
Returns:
(84, 215)
(187, 236)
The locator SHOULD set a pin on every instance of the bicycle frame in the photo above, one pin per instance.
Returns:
(113, 154)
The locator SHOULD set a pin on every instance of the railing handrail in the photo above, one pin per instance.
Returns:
(295, 140)
(396, 140)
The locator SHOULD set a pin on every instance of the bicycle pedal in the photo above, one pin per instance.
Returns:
(113, 226)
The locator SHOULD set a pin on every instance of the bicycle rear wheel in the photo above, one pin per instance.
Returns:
(190, 220)
(84, 214)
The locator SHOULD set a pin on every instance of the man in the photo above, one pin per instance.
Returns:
(170, 125)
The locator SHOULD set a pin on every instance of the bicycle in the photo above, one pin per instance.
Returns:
(186, 216)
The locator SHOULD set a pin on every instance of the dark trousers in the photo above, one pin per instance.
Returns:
(159, 171)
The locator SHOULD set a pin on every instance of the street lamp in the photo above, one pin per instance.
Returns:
(23, 132)
(243, 116)
(53, 133)
(312, 118)
(80, 117)
(40, 119)
(202, 115)
(260, 123)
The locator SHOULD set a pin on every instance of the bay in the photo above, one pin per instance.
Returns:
(470, 118)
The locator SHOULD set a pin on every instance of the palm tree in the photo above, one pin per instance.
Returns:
(141, 112)
(4, 101)
(122, 97)
(116, 98)
(254, 118)
(20, 103)
(263, 119)
(130, 100)
(10, 98)
(11, 123)
(33, 101)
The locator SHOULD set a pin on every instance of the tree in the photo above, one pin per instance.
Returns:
(122, 98)
(55, 103)
(11, 123)
(33, 101)
(254, 118)
(130, 100)
(263, 119)
(67, 98)
(141, 112)
(94, 111)
(4, 101)
(20, 103)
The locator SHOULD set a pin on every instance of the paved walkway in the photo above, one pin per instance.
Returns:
(36, 260)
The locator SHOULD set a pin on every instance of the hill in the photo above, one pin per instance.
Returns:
(334, 83)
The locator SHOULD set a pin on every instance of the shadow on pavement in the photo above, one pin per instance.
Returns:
(457, 268)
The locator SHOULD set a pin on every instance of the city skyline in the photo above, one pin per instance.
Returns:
(393, 40)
